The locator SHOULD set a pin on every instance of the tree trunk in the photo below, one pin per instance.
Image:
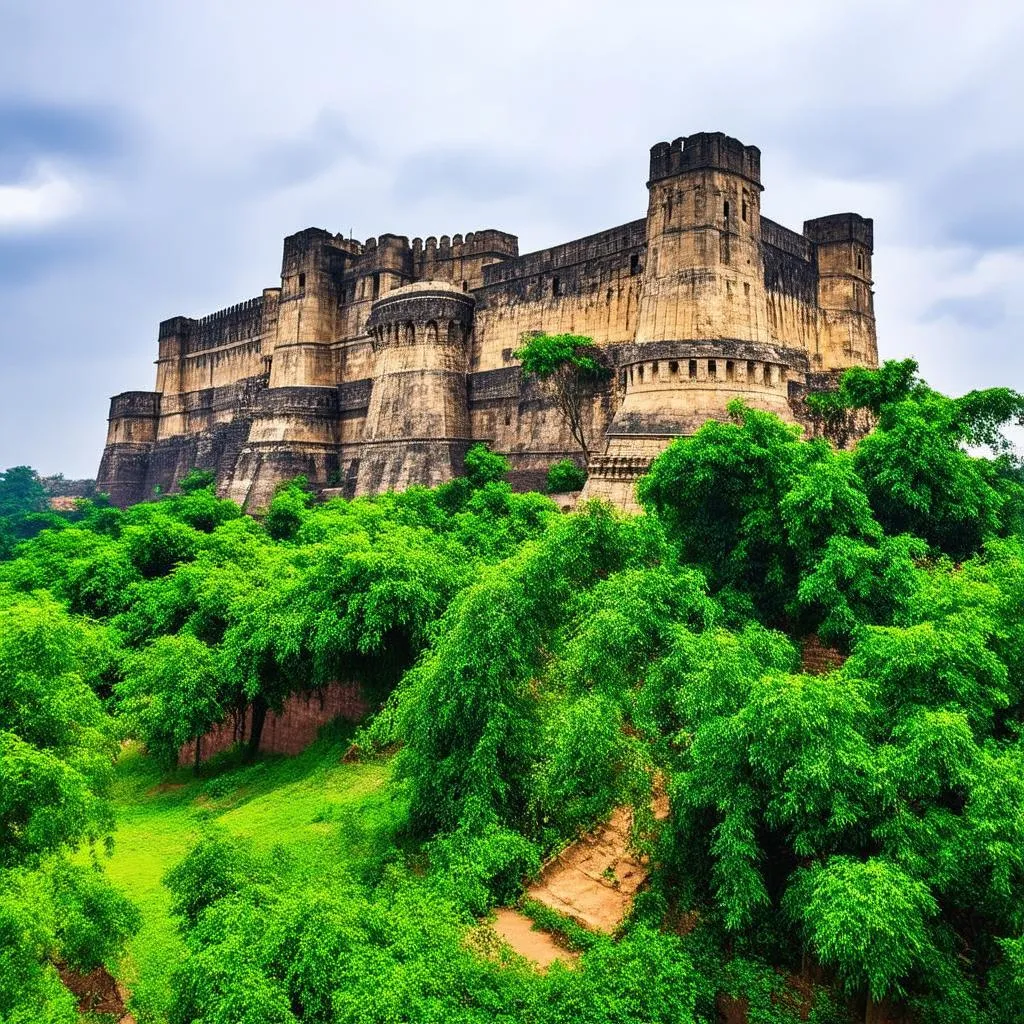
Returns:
(199, 755)
(259, 716)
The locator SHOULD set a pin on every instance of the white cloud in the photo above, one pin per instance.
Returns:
(44, 200)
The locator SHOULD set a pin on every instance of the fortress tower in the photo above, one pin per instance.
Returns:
(417, 425)
(374, 365)
(703, 335)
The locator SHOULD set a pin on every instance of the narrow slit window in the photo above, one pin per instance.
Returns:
(302, 281)
(744, 210)
(634, 265)
(640, 372)
(673, 369)
(712, 369)
(693, 369)
(556, 286)
(376, 286)
(654, 370)
(767, 375)
(751, 370)
(726, 209)
(730, 370)
(860, 261)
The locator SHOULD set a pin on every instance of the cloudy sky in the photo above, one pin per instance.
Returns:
(154, 154)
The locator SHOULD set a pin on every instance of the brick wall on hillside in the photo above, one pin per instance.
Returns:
(291, 730)
(817, 659)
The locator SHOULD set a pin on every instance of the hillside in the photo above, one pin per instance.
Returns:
(567, 706)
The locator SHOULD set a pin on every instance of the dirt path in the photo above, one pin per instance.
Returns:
(517, 930)
(594, 880)
(97, 992)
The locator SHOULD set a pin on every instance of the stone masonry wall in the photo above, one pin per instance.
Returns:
(292, 729)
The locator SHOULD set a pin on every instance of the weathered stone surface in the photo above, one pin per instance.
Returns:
(376, 364)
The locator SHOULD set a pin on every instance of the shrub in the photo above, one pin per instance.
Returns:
(565, 476)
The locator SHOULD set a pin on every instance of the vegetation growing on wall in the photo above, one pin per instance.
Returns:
(836, 844)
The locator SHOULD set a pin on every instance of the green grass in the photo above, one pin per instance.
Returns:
(318, 809)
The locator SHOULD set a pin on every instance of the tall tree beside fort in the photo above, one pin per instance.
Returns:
(570, 367)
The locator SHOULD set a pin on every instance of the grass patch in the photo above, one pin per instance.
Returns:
(572, 934)
(323, 812)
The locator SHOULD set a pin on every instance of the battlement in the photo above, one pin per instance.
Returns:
(841, 227)
(251, 307)
(489, 242)
(705, 151)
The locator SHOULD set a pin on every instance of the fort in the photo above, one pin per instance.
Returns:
(375, 365)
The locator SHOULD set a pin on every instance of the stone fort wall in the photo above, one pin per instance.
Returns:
(375, 364)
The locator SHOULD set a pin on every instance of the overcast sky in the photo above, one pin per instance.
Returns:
(154, 154)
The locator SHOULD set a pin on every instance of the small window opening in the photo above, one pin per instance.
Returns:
(751, 370)
(465, 286)
(744, 211)
(726, 208)
(860, 261)
(767, 375)
(746, 288)
(730, 370)
(608, 297)
(712, 369)
(673, 369)
(634, 265)
(376, 286)
(693, 369)
(640, 373)
(302, 281)
(508, 418)
(654, 370)
(631, 375)
(556, 286)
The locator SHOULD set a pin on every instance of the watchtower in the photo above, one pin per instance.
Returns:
(704, 278)
(844, 243)
(417, 425)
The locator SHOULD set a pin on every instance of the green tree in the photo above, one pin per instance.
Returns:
(565, 475)
(21, 492)
(867, 919)
(288, 508)
(56, 759)
(484, 466)
(571, 367)
(173, 694)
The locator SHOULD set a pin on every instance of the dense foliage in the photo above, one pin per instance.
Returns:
(835, 840)
(565, 475)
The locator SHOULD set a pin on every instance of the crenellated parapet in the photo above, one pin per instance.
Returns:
(705, 151)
